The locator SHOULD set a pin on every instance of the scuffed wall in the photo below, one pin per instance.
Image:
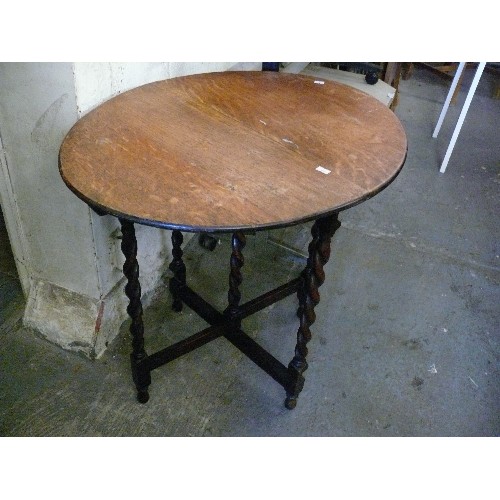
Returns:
(97, 82)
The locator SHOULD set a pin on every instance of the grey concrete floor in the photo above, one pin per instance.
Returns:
(406, 341)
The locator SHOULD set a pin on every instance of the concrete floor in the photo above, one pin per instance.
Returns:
(406, 341)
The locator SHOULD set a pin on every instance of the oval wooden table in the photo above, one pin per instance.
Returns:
(232, 152)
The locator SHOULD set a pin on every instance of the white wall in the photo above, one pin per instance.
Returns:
(97, 82)
(68, 258)
(37, 107)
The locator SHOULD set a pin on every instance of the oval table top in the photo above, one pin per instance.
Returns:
(233, 151)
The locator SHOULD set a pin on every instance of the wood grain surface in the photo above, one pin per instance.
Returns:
(233, 150)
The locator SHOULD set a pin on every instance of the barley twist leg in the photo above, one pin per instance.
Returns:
(313, 277)
(178, 267)
(238, 242)
(140, 373)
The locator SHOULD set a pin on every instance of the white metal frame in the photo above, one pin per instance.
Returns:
(463, 113)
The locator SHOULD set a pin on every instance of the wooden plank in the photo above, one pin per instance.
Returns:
(391, 77)
(185, 346)
(434, 70)
(447, 68)
(199, 305)
(265, 300)
(259, 356)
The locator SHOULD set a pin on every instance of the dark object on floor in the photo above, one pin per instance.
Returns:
(207, 241)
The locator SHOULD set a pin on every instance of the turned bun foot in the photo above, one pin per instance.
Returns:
(143, 396)
(177, 305)
(290, 403)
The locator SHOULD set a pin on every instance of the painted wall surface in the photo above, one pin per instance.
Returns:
(96, 82)
(37, 107)
(69, 259)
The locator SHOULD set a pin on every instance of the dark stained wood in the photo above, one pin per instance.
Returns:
(313, 277)
(185, 346)
(236, 262)
(233, 150)
(178, 267)
(259, 356)
(140, 372)
(392, 75)
(228, 327)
